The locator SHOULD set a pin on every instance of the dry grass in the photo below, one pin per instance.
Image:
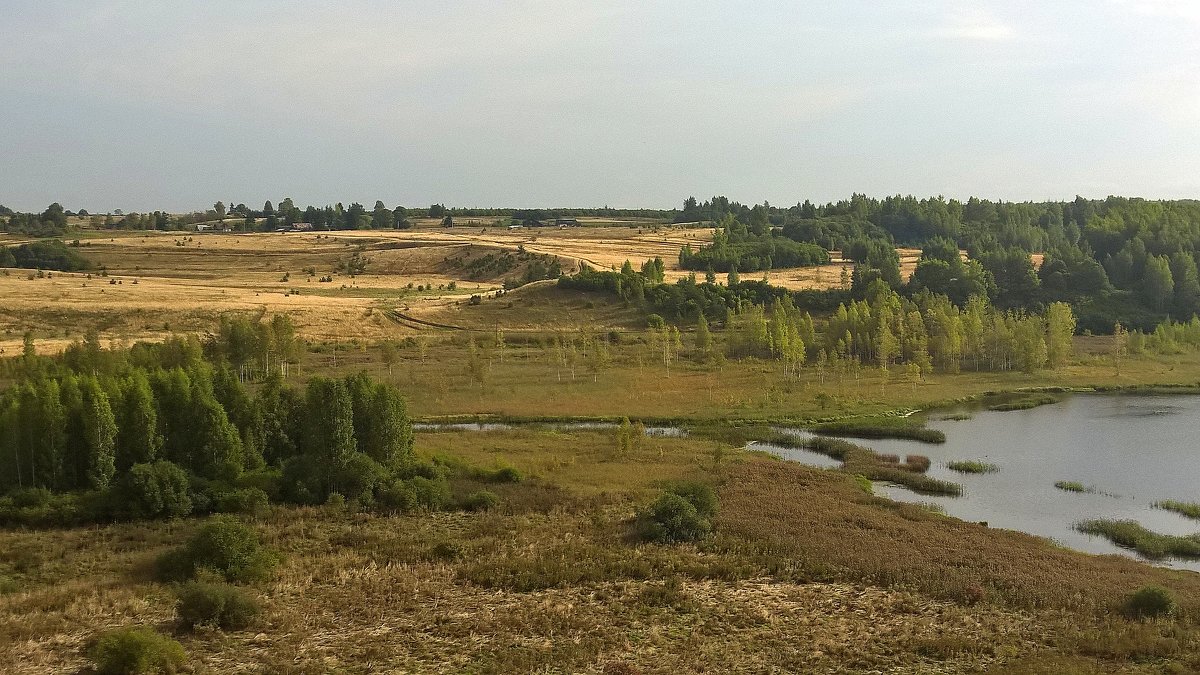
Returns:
(843, 533)
(185, 280)
(806, 574)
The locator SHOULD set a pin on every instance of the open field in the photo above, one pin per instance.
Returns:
(160, 282)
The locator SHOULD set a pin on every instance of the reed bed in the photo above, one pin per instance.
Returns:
(972, 466)
(1131, 534)
(1026, 403)
(1188, 509)
(898, 428)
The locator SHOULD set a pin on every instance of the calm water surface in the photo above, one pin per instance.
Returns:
(1134, 450)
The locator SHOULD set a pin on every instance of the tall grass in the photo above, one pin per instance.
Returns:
(972, 466)
(1072, 486)
(1025, 403)
(880, 428)
(1188, 509)
(1130, 534)
(866, 462)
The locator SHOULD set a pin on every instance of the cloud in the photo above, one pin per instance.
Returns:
(1174, 10)
(976, 25)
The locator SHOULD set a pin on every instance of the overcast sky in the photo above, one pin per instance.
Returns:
(144, 105)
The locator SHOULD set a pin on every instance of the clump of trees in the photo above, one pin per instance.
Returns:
(741, 247)
(170, 429)
(43, 255)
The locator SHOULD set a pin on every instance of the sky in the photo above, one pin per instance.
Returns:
(134, 105)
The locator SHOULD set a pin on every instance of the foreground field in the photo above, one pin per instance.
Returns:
(806, 573)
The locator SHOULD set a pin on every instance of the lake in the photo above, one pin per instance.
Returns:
(1133, 449)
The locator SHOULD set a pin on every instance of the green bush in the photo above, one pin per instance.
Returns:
(220, 605)
(654, 321)
(226, 548)
(158, 490)
(446, 550)
(302, 480)
(131, 651)
(700, 495)
(507, 474)
(483, 500)
(248, 500)
(418, 492)
(358, 477)
(30, 498)
(671, 519)
(41, 508)
(270, 481)
(1150, 602)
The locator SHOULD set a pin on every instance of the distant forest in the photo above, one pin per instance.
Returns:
(1116, 259)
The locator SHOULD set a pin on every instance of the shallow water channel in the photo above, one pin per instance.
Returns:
(1133, 450)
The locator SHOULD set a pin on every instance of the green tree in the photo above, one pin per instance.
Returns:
(329, 422)
(1158, 288)
(1119, 346)
(382, 217)
(389, 437)
(100, 434)
(703, 339)
(1060, 331)
(138, 440)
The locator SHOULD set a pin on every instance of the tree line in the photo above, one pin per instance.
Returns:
(1118, 259)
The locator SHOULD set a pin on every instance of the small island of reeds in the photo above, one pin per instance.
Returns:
(1188, 509)
(972, 466)
(1131, 534)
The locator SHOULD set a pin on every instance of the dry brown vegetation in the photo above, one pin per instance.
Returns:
(183, 281)
(805, 573)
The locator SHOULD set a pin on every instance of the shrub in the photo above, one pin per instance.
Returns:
(446, 550)
(672, 518)
(507, 474)
(136, 650)
(30, 498)
(700, 495)
(157, 490)
(242, 500)
(302, 480)
(220, 605)
(483, 500)
(41, 508)
(654, 321)
(226, 548)
(415, 493)
(358, 477)
(1150, 602)
(269, 481)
